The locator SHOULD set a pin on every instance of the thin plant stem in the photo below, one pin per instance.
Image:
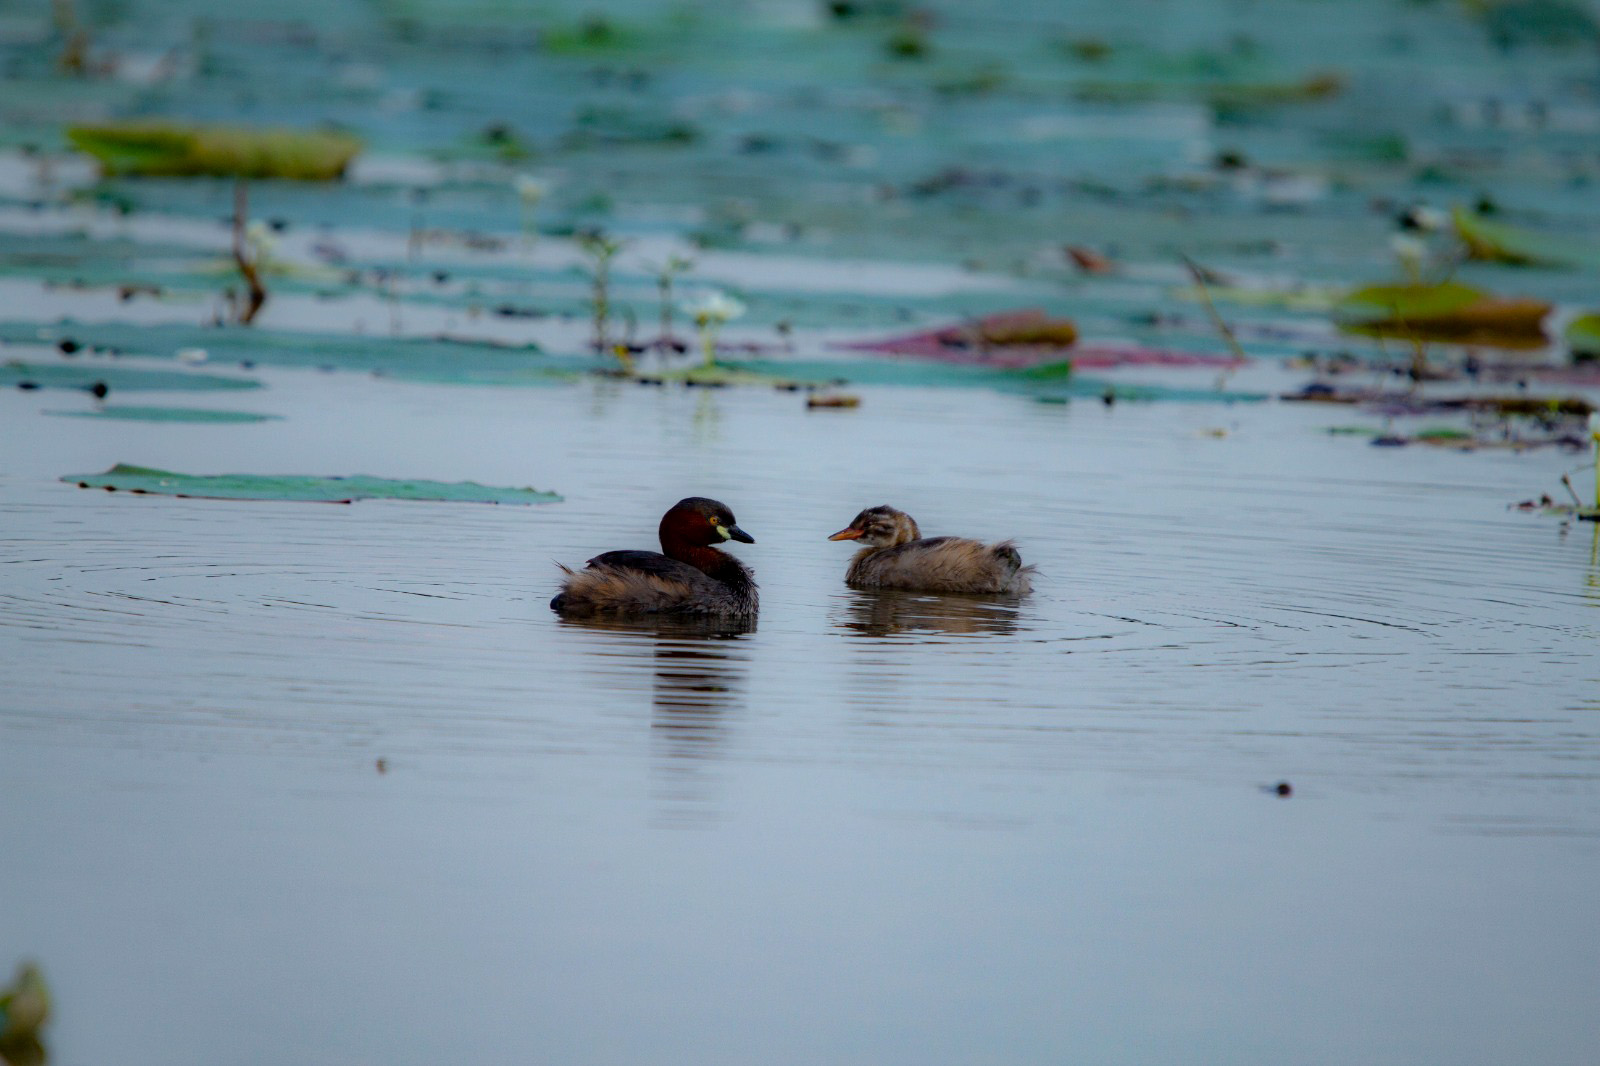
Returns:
(1211, 309)
(247, 265)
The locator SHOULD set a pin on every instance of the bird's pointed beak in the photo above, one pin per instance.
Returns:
(735, 533)
(849, 533)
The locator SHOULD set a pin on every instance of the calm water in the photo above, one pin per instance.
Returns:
(873, 830)
(331, 785)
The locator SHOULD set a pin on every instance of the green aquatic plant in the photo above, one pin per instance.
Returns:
(1443, 311)
(85, 376)
(601, 250)
(141, 480)
(666, 275)
(592, 34)
(25, 1007)
(197, 415)
(1583, 336)
(170, 149)
(1498, 242)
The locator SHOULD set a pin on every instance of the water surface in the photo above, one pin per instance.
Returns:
(873, 829)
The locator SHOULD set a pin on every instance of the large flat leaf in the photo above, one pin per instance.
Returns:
(144, 480)
(428, 359)
(1449, 312)
(115, 378)
(163, 148)
(202, 415)
(1497, 242)
(1583, 335)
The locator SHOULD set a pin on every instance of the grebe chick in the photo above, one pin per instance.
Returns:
(687, 577)
(896, 556)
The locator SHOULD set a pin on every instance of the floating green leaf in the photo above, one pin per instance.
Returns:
(1497, 242)
(130, 413)
(169, 149)
(115, 378)
(1448, 311)
(1583, 336)
(1057, 371)
(143, 480)
(1411, 301)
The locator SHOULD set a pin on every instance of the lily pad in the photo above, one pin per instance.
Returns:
(1497, 242)
(152, 149)
(436, 360)
(1583, 336)
(1009, 339)
(130, 413)
(116, 379)
(144, 480)
(1448, 311)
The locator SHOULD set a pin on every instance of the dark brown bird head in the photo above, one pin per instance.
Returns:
(698, 522)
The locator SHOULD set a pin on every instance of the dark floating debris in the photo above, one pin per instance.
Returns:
(1284, 789)
(1089, 261)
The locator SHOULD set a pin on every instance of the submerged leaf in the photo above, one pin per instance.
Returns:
(170, 149)
(144, 480)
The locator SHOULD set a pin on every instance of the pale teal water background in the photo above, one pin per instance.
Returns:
(877, 831)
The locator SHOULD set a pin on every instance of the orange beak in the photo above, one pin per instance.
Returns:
(850, 533)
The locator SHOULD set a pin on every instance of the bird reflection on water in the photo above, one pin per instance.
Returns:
(700, 670)
(888, 614)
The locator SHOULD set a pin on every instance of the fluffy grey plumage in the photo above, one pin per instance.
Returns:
(895, 555)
